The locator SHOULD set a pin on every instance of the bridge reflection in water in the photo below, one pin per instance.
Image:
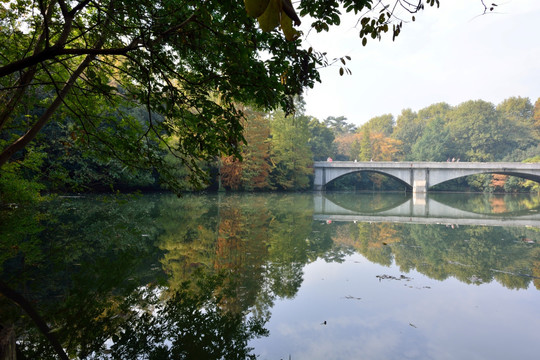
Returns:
(417, 209)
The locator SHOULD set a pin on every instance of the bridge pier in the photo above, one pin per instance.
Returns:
(419, 180)
(319, 188)
(419, 186)
(319, 182)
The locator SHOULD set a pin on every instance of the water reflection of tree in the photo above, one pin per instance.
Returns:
(136, 274)
(47, 270)
(472, 254)
(189, 325)
(490, 203)
(261, 242)
(93, 279)
(371, 240)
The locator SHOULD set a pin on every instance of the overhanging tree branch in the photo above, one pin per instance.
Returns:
(59, 48)
(20, 143)
(31, 134)
(36, 318)
(27, 76)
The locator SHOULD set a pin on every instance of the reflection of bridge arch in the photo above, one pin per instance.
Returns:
(419, 210)
(368, 203)
(511, 211)
(421, 175)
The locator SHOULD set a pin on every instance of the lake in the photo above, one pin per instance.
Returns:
(273, 276)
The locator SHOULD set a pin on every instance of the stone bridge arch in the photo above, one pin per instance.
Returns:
(338, 173)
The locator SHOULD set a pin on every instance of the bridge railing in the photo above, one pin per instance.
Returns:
(430, 164)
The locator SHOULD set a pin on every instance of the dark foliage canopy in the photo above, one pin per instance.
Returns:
(185, 63)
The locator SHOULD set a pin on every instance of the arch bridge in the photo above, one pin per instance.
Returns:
(420, 176)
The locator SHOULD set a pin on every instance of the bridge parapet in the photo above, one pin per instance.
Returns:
(419, 176)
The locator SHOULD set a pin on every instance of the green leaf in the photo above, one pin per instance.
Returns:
(256, 8)
(270, 19)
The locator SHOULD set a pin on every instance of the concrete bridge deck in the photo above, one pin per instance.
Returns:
(420, 176)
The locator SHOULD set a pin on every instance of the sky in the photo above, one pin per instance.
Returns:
(451, 54)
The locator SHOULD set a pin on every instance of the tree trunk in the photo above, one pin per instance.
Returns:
(36, 318)
(7, 344)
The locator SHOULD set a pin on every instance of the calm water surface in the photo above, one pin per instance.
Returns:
(277, 276)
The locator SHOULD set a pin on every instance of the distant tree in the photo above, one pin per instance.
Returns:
(356, 148)
(532, 185)
(383, 124)
(347, 145)
(339, 125)
(536, 117)
(430, 113)
(321, 140)
(517, 110)
(252, 173)
(291, 155)
(498, 181)
(477, 130)
(408, 129)
(424, 117)
(230, 172)
(375, 143)
(384, 148)
(517, 122)
(366, 153)
(521, 155)
(435, 144)
(256, 154)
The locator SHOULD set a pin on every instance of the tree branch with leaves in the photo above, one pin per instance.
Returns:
(187, 62)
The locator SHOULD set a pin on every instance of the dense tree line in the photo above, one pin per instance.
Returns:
(130, 94)
(183, 65)
(471, 131)
(279, 151)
